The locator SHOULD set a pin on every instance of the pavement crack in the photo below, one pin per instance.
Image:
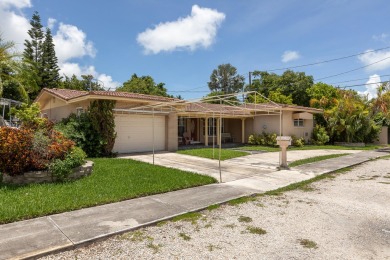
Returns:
(55, 224)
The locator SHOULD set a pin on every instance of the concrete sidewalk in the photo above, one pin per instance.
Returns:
(40, 236)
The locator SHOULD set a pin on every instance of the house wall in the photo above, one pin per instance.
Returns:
(383, 136)
(271, 124)
(57, 109)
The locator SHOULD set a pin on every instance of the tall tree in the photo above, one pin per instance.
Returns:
(50, 76)
(33, 52)
(226, 80)
(144, 85)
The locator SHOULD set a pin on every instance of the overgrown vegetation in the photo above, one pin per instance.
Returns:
(94, 130)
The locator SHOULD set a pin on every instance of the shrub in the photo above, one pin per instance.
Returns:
(264, 138)
(320, 136)
(60, 169)
(298, 142)
(15, 147)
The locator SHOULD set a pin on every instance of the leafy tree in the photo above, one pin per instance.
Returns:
(86, 83)
(50, 76)
(322, 95)
(275, 96)
(225, 79)
(289, 83)
(144, 85)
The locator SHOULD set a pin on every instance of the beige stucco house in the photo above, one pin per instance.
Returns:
(145, 122)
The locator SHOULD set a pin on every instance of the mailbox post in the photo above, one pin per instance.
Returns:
(283, 142)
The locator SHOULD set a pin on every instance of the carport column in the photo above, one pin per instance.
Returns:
(206, 134)
(172, 132)
(218, 130)
(243, 130)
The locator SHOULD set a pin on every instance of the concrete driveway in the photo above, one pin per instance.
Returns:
(233, 169)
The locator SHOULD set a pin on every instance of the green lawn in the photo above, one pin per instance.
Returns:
(112, 180)
(308, 147)
(208, 153)
(315, 159)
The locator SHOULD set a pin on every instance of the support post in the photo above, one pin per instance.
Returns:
(243, 130)
(153, 135)
(206, 130)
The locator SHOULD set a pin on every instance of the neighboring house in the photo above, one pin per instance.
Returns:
(145, 122)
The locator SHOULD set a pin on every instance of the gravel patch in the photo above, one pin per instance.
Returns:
(347, 217)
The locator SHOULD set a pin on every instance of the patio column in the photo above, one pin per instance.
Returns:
(206, 130)
(243, 130)
(218, 130)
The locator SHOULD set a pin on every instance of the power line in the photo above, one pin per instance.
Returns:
(355, 79)
(327, 61)
(345, 72)
(364, 84)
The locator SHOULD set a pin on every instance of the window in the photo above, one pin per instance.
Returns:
(79, 111)
(298, 122)
(212, 126)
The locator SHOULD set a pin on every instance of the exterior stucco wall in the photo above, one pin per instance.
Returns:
(271, 124)
(383, 136)
(57, 109)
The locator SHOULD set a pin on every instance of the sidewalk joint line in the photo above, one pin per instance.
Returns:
(55, 224)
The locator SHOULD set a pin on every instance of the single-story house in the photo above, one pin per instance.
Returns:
(146, 122)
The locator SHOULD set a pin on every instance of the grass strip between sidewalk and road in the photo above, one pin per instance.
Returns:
(112, 180)
(208, 153)
(316, 159)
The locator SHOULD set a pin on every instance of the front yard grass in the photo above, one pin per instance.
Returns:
(112, 180)
(208, 153)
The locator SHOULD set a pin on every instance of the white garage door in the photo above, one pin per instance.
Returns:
(135, 133)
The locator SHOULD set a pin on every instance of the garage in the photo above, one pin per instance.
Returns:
(135, 133)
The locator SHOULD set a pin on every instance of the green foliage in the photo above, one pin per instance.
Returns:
(289, 83)
(226, 80)
(50, 76)
(29, 115)
(298, 142)
(93, 131)
(268, 139)
(86, 83)
(102, 119)
(144, 85)
(322, 95)
(320, 136)
(61, 169)
(350, 119)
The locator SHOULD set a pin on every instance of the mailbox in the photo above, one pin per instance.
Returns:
(283, 142)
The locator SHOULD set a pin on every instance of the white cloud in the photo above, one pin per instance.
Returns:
(69, 69)
(14, 26)
(381, 37)
(5, 4)
(290, 56)
(51, 22)
(370, 57)
(70, 42)
(371, 86)
(194, 31)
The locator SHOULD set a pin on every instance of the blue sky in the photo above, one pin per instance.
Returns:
(181, 42)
